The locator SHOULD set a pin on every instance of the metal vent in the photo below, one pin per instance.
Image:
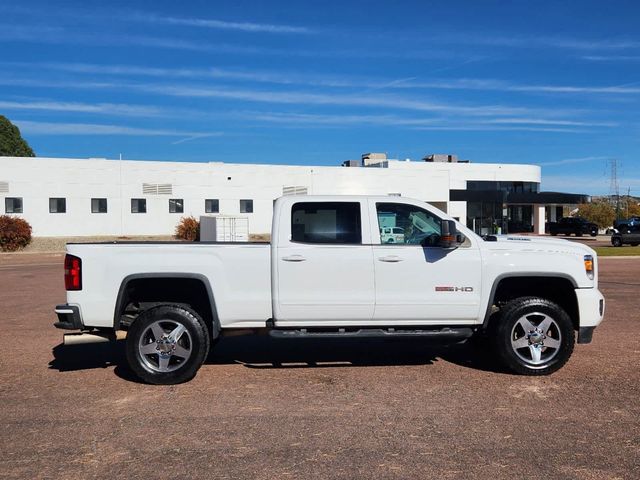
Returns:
(4, 187)
(294, 190)
(157, 189)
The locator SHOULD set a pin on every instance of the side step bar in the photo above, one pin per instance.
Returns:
(443, 334)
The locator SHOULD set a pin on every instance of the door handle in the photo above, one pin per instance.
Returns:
(294, 258)
(390, 259)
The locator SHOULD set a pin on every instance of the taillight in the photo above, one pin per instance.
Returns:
(72, 273)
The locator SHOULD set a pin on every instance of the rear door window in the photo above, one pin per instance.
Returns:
(326, 223)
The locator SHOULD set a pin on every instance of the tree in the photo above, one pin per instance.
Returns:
(600, 212)
(11, 142)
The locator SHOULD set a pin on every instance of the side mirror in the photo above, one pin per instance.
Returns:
(449, 236)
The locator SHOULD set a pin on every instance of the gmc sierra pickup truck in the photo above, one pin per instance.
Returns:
(330, 272)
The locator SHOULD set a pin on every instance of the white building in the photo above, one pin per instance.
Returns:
(77, 197)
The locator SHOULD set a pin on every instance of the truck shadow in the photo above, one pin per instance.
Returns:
(261, 352)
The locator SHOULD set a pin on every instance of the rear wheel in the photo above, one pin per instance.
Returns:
(616, 241)
(533, 336)
(167, 345)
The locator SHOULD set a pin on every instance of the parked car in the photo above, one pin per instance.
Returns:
(573, 226)
(392, 235)
(629, 236)
(328, 274)
(626, 225)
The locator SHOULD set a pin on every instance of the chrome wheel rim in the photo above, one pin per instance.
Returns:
(165, 345)
(536, 339)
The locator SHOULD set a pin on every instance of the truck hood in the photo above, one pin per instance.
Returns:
(523, 243)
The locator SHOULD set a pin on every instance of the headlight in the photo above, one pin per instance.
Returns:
(588, 266)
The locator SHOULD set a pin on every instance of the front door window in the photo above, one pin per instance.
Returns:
(406, 224)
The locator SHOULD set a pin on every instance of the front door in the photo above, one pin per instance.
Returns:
(325, 271)
(417, 281)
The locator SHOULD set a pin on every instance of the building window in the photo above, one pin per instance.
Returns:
(57, 205)
(13, 205)
(176, 205)
(326, 222)
(211, 205)
(98, 205)
(138, 205)
(246, 206)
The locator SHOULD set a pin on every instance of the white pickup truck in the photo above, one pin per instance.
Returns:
(326, 273)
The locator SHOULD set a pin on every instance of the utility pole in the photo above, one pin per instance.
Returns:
(614, 188)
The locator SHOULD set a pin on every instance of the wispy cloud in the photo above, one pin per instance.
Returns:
(221, 24)
(483, 127)
(547, 41)
(50, 128)
(335, 120)
(544, 121)
(373, 101)
(97, 108)
(436, 123)
(292, 78)
(305, 98)
(612, 58)
(568, 161)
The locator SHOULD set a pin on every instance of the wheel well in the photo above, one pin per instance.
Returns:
(139, 294)
(556, 289)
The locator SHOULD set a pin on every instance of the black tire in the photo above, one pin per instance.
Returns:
(578, 234)
(634, 244)
(594, 233)
(616, 241)
(561, 332)
(147, 366)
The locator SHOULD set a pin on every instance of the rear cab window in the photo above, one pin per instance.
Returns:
(326, 223)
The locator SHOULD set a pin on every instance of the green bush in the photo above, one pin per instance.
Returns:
(15, 233)
(188, 229)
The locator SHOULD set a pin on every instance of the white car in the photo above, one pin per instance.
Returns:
(392, 235)
(329, 273)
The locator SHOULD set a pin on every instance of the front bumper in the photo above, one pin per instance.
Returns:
(68, 317)
(591, 308)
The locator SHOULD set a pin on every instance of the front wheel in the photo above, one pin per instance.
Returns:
(533, 336)
(167, 345)
(616, 241)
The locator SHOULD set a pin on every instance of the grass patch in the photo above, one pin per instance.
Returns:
(624, 251)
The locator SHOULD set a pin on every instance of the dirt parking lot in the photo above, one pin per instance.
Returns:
(266, 409)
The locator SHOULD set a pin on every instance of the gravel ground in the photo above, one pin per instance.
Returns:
(265, 409)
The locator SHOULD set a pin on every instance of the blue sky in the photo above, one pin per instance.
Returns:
(552, 83)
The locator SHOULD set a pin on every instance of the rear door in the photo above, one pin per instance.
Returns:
(324, 264)
(418, 282)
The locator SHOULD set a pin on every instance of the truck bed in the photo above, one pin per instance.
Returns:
(239, 275)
